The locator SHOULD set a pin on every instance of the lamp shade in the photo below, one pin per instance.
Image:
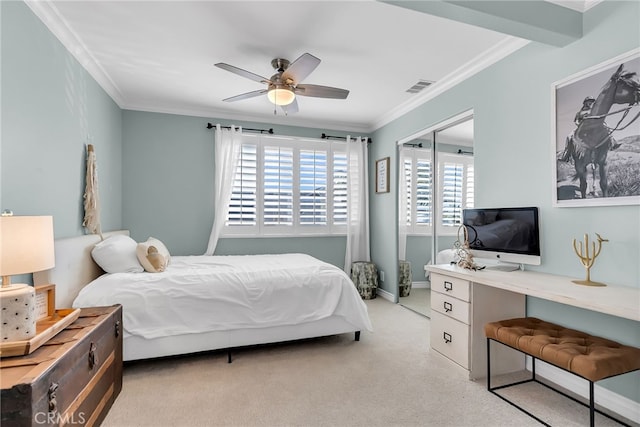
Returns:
(26, 244)
(281, 95)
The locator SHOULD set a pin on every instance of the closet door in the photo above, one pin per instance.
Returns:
(435, 182)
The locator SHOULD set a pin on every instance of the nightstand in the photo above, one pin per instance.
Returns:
(72, 379)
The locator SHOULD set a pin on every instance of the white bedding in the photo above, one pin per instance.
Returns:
(216, 293)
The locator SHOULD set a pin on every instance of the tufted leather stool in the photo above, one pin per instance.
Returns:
(590, 357)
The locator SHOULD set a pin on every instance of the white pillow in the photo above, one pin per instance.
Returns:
(155, 261)
(117, 254)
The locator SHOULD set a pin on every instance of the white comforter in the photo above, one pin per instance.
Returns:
(213, 293)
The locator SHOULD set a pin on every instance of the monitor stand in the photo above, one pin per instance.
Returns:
(505, 267)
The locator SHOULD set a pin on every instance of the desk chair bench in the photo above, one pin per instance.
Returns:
(589, 357)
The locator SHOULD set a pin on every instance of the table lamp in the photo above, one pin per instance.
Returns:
(26, 246)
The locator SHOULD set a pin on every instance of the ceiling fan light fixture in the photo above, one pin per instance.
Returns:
(281, 95)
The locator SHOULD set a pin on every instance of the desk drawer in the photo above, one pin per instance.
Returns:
(456, 288)
(450, 338)
(450, 306)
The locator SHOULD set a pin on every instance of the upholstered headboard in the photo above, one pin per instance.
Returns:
(74, 266)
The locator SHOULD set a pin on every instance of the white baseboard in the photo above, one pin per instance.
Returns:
(424, 284)
(386, 295)
(605, 398)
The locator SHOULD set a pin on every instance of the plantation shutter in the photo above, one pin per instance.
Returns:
(289, 186)
(417, 192)
(424, 192)
(313, 187)
(452, 194)
(278, 186)
(339, 188)
(407, 169)
(457, 189)
(242, 206)
(470, 188)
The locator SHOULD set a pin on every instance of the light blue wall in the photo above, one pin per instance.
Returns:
(512, 143)
(51, 107)
(168, 163)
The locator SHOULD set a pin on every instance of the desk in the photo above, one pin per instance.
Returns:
(497, 295)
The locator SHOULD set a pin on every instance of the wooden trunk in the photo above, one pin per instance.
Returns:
(71, 380)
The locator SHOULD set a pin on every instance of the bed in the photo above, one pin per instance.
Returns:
(205, 303)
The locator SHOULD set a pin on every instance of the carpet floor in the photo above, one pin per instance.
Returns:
(389, 378)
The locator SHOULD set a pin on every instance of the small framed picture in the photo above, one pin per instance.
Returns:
(382, 175)
(45, 301)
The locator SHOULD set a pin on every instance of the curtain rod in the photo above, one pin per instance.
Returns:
(269, 131)
(325, 136)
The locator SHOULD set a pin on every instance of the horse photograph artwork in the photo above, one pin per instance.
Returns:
(597, 135)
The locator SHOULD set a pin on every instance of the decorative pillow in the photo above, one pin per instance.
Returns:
(153, 255)
(117, 254)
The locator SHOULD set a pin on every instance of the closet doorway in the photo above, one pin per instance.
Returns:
(435, 183)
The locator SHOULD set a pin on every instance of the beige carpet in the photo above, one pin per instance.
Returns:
(389, 378)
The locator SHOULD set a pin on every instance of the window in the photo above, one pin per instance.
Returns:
(289, 186)
(456, 185)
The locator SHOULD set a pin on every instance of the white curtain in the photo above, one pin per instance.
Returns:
(357, 203)
(402, 203)
(228, 144)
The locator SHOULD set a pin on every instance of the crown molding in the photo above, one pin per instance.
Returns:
(577, 5)
(477, 64)
(588, 4)
(47, 12)
(275, 120)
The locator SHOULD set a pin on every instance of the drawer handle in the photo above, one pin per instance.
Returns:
(448, 286)
(447, 338)
(447, 306)
(117, 328)
(93, 359)
(53, 403)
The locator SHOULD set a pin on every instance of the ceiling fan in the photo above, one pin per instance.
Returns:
(283, 87)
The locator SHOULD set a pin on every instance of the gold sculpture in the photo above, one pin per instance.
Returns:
(587, 259)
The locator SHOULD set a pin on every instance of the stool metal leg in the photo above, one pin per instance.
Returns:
(489, 364)
(592, 407)
(533, 368)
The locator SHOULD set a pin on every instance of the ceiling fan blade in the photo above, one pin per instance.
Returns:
(246, 95)
(321, 91)
(291, 108)
(301, 68)
(243, 73)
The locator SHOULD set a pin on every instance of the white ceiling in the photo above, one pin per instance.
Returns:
(159, 55)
